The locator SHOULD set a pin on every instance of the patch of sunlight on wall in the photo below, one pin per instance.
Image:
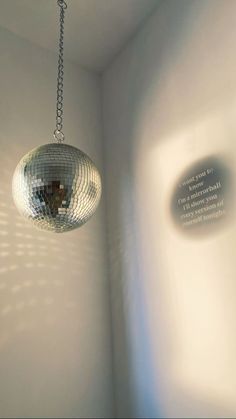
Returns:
(195, 277)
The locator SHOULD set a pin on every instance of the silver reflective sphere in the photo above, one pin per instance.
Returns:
(57, 187)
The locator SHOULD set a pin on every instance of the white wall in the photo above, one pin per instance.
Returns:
(55, 352)
(169, 100)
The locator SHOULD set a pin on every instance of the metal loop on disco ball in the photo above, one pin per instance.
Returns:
(57, 187)
(58, 136)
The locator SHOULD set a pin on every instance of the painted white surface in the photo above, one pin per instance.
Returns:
(95, 30)
(169, 99)
(55, 352)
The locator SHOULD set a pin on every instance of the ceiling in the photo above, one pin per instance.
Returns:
(95, 30)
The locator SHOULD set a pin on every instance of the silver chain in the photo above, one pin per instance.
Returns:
(58, 134)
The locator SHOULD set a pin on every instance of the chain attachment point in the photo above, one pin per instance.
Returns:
(59, 136)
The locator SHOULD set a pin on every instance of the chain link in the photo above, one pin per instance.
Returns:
(58, 134)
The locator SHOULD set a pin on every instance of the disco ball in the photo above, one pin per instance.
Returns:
(57, 187)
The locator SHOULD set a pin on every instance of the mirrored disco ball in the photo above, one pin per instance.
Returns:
(57, 187)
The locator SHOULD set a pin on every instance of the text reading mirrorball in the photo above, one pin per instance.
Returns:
(57, 187)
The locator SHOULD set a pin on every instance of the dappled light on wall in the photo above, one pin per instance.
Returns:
(34, 288)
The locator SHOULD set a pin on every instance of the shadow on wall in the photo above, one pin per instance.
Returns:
(167, 81)
(203, 200)
(128, 306)
(45, 312)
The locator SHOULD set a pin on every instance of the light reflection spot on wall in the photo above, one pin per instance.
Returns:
(6, 310)
(41, 238)
(20, 305)
(32, 302)
(22, 326)
(19, 253)
(29, 265)
(16, 288)
(4, 254)
(58, 282)
(13, 267)
(17, 234)
(40, 265)
(42, 253)
(31, 253)
(54, 267)
(41, 282)
(48, 300)
(27, 283)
